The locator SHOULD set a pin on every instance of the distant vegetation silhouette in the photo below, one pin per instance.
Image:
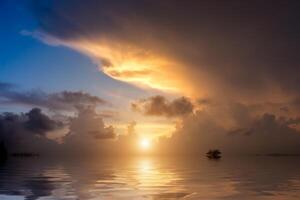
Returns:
(3, 152)
(23, 154)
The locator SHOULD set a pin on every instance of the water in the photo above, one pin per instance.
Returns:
(151, 178)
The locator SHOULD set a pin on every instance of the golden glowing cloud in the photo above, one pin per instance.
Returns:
(131, 64)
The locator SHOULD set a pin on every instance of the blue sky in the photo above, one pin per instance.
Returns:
(32, 64)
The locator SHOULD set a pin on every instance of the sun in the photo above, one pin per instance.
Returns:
(145, 144)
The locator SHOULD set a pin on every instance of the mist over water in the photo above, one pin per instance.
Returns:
(151, 178)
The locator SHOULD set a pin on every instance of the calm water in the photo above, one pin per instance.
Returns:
(152, 178)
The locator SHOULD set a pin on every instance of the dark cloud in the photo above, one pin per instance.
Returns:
(89, 134)
(204, 101)
(284, 109)
(233, 129)
(40, 123)
(65, 100)
(108, 134)
(269, 124)
(31, 132)
(5, 86)
(34, 121)
(27, 132)
(76, 98)
(227, 49)
(263, 134)
(89, 123)
(296, 102)
(160, 106)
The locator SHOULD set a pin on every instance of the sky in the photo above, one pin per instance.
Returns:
(198, 74)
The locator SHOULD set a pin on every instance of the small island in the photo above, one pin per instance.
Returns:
(213, 154)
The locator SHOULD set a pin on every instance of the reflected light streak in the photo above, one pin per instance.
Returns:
(150, 176)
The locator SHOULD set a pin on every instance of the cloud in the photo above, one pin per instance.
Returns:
(88, 134)
(40, 123)
(258, 134)
(270, 124)
(65, 100)
(131, 128)
(77, 97)
(236, 61)
(34, 121)
(6, 86)
(31, 132)
(90, 124)
(236, 131)
(68, 100)
(233, 127)
(160, 106)
(231, 50)
(27, 132)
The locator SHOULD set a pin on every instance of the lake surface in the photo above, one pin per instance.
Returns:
(151, 178)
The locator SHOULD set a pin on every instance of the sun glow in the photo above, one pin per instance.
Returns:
(145, 144)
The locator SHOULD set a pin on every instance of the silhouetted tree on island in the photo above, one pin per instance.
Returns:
(213, 154)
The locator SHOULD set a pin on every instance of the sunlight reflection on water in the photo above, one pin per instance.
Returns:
(151, 178)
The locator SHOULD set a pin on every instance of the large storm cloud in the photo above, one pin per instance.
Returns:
(232, 49)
